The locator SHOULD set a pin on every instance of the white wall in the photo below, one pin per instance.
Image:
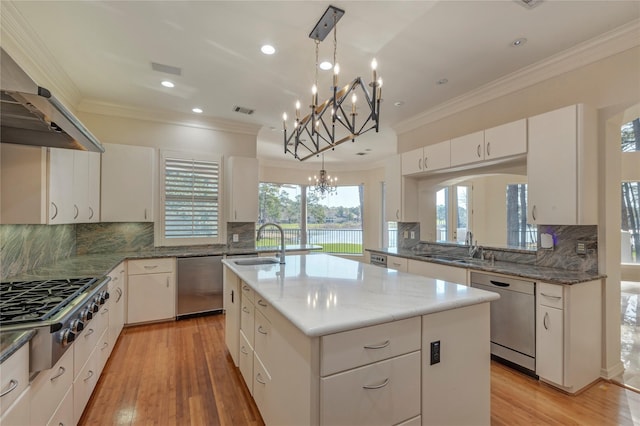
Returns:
(371, 179)
(610, 85)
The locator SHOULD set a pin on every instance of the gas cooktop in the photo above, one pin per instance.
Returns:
(32, 301)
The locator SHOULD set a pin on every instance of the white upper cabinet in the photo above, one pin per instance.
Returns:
(401, 193)
(62, 208)
(242, 189)
(467, 149)
(48, 185)
(506, 140)
(427, 159)
(127, 183)
(562, 167)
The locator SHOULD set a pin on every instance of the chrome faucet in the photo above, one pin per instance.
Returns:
(474, 248)
(281, 256)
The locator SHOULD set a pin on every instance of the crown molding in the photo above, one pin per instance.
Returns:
(22, 44)
(608, 44)
(168, 117)
(335, 167)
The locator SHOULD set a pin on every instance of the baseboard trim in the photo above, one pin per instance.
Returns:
(613, 371)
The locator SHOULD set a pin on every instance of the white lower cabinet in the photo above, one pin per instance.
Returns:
(568, 334)
(231, 303)
(18, 413)
(117, 303)
(64, 413)
(84, 384)
(245, 361)
(384, 393)
(49, 388)
(151, 290)
(14, 377)
(397, 263)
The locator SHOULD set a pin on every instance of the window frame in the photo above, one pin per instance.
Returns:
(161, 240)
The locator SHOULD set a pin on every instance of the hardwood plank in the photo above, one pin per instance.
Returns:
(180, 373)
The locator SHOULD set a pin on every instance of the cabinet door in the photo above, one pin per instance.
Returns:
(93, 196)
(243, 189)
(245, 361)
(60, 192)
(127, 183)
(467, 149)
(506, 140)
(80, 186)
(117, 302)
(393, 188)
(550, 344)
(552, 167)
(49, 388)
(413, 162)
(84, 384)
(231, 303)
(150, 297)
(437, 156)
(64, 413)
(18, 414)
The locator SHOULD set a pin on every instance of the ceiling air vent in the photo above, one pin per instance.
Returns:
(243, 110)
(529, 4)
(361, 153)
(168, 69)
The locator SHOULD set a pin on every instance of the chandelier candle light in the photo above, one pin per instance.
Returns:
(328, 124)
(323, 184)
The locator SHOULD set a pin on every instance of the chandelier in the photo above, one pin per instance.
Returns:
(323, 184)
(332, 122)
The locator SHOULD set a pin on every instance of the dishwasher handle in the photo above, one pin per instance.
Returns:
(500, 283)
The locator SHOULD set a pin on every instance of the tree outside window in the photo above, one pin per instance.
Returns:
(630, 142)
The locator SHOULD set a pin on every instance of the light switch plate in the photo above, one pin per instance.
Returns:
(236, 238)
(581, 247)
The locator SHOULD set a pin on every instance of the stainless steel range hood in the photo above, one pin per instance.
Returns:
(30, 115)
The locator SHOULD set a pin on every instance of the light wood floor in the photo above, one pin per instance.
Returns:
(179, 373)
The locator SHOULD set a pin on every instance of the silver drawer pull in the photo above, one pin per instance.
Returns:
(90, 375)
(261, 303)
(244, 351)
(381, 385)
(104, 311)
(12, 385)
(105, 345)
(88, 333)
(150, 266)
(550, 296)
(245, 309)
(259, 379)
(245, 288)
(380, 346)
(261, 330)
(61, 371)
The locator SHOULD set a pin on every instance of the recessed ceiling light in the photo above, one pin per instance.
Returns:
(518, 42)
(442, 81)
(267, 49)
(167, 83)
(197, 110)
(326, 65)
(399, 103)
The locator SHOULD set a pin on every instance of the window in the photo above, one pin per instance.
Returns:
(453, 213)
(190, 199)
(630, 237)
(519, 232)
(629, 131)
(333, 222)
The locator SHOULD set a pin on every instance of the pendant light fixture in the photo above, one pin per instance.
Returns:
(332, 122)
(323, 184)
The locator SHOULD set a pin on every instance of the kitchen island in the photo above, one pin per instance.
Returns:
(325, 340)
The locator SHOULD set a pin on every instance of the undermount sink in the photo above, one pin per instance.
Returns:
(252, 261)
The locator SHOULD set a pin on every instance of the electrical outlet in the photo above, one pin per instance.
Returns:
(236, 238)
(405, 234)
(435, 352)
(413, 235)
(581, 247)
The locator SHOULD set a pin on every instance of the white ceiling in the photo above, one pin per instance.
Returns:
(106, 49)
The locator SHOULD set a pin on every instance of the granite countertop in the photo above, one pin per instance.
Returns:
(551, 275)
(97, 265)
(322, 294)
(12, 341)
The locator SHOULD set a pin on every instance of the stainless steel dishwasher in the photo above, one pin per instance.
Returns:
(199, 285)
(513, 319)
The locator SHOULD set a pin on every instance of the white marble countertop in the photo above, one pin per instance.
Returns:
(322, 294)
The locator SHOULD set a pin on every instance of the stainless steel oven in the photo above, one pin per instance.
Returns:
(513, 319)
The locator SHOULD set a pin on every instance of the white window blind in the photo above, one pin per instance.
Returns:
(191, 204)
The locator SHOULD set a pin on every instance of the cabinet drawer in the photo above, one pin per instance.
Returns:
(64, 413)
(86, 341)
(262, 339)
(18, 413)
(397, 263)
(384, 393)
(550, 295)
(349, 349)
(262, 305)
(247, 320)
(262, 394)
(84, 384)
(14, 377)
(151, 266)
(245, 361)
(247, 291)
(49, 388)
